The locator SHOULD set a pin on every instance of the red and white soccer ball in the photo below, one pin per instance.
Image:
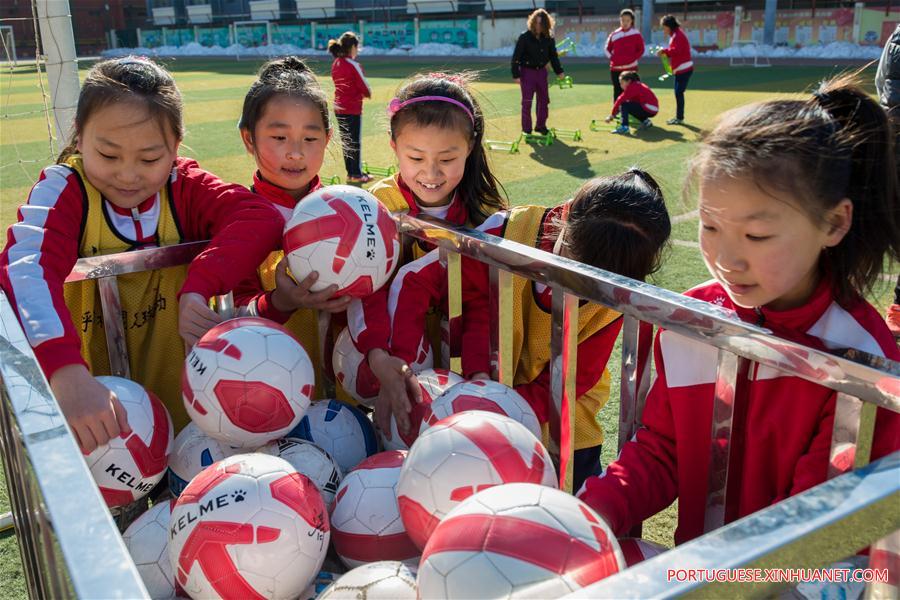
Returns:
(147, 540)
(365, 518)
(249, 526)
(636, 550)
(433, 383)
(347, 236)
(461, 455)
(344, 432)
(129, 466)
(518, 541)
(383, 580)
(487, 395)
(311, 461)
(193, 452)
(247, 382)
(354, 374)
(352, 371)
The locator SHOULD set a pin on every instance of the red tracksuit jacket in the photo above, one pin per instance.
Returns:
(624, 47)
(350, 86)
(640, 92)
(788, 428)
(679, 53)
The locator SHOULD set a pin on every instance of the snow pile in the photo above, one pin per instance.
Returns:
(842, 50)
(824, 51)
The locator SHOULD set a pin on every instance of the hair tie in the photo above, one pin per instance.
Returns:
(396, 105)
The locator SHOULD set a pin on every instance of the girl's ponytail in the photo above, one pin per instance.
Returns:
(863, 133)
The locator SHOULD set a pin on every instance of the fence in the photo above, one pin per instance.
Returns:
(58, 509)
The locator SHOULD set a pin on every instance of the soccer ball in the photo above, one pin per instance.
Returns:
(433, 383)
(129, 466)
(518, 540)
(247, 382)
(249, 526)
(383, 580)
(344, 432)
(147, 540)
(353, 373)
(491, 396)
(460, 455)
(347, 236)
(365, 518)
(637, 550)
(352, 370)
(193, 452)
(310, 460)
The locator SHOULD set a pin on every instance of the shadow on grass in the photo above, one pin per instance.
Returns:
(571, 159)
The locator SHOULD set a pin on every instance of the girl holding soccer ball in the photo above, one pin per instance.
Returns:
(120, 185)
(286, 127)
(618, 223)
(798, 209)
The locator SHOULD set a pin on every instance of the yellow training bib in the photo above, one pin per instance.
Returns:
(149, 302)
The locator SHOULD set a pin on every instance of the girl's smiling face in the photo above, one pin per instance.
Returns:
(127, 155)
(288, 144)
(762, 248)
(432, 161)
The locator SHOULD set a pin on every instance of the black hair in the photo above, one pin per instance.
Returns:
(671, 22)
(340, 47)
(288, 76)
(129, 79)
(618, 223)
(479, 190)
(836, 144)
(629, 76)
(627, 12)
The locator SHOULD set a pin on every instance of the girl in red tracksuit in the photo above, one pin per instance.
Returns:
(617, 223)
(624, 47)
(437, 132)
(679, 53)
(637, 100)
(793, 231)
(119, 186)
(350, 88)
(285, 126)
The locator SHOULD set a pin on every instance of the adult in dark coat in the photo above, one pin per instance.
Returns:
(534, 49)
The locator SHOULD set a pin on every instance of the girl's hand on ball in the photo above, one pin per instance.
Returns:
(481, 375)
(195, 318)
(398, 386)
(289, 295)
(92, 410)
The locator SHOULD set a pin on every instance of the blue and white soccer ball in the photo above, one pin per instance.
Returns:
(339, 429)
(193, 452)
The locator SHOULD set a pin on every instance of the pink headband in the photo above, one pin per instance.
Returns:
(396, 105)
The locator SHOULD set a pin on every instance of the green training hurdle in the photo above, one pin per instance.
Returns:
(379, 171)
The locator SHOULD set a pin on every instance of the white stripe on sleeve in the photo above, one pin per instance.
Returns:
(359, 72)
(26, 275)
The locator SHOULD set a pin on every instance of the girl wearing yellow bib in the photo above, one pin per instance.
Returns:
(120, 186)
(615, 223)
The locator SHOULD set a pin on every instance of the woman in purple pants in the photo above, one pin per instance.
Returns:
(534, 49)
